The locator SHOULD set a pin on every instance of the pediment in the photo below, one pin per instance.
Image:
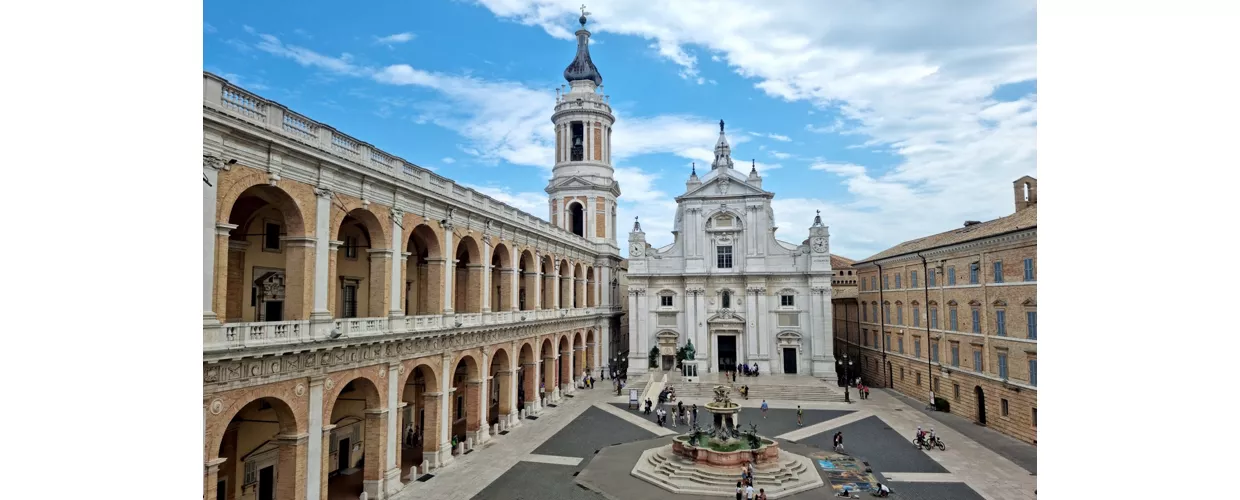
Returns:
(726, 316)
(789, 335)
(724, 186)
(574, 182)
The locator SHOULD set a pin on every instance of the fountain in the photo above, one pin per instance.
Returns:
(706, 461)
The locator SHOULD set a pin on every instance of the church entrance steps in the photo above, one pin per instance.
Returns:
(660, 466)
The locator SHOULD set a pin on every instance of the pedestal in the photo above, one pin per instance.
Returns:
(691, 370)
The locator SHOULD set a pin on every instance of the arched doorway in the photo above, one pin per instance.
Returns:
(466, 410)
(981, 404)
(528, 282)
(423, 273)
(577, 219)
(354, 461)
(591, 284)
(527, 383)
(548, 369)
(358, 277)
(419, 420)
(499, 388)
(579, 286)
(258, 454)
(565, 364)
(257, 254)
(566, 284)
(468, 275)
(501, 278)
(549, 283)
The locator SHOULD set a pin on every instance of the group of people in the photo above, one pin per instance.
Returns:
(744, 487)
(924, 438)
(680, 414)
(744, 369)
(880, 490)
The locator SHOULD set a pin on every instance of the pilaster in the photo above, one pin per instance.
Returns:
(322, 232)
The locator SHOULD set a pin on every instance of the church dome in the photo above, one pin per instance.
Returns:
(582, 68)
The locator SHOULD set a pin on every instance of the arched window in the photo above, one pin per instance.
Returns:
(577, 219)
(727, 300)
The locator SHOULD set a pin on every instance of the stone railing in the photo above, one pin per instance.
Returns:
(228, 99)
(269, 333)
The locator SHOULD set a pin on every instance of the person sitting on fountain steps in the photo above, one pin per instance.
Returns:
(881, 490)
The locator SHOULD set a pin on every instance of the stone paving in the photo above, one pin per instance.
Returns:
(1018, 452)
(536, 460)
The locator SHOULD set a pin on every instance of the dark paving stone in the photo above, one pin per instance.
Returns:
(537, 481)
(932, 491)
(777, 421)
(1019, 452)
(591, 430)
(870, 439)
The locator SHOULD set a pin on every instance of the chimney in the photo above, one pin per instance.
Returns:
(1025, 190)
(971, 223)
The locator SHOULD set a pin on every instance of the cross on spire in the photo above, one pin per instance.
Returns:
(582, 19)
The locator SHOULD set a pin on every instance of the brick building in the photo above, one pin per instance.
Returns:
(956, 313)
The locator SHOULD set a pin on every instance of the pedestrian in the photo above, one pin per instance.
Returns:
(839, 442)
(761, 494)
(674, 416)
(764, 407)
(694, 413)
(867, 392)
(749, 491)
(739, 491)
(800, 414)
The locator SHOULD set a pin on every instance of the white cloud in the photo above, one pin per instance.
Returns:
(394, 38)
(448, 159)
(781, 155)
(778, 137)
(915, 79)
(533, 203)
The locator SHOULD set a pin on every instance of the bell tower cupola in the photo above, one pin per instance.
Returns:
(583, 190)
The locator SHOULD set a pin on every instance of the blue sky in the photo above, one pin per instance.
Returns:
(896, 119)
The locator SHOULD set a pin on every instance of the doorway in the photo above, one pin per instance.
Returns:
(727, 352)
(267, 483)
(669, 362)
(221, 490)
(790, 360)
(981, 404)
(342, 460)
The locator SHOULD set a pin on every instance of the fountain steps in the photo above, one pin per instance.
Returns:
(661, 467)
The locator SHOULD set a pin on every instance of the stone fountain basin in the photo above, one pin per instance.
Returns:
(767, 452)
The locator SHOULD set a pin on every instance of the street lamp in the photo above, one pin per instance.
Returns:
(847, 369)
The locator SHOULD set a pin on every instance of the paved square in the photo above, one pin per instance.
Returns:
(535, 481)
(590, 431)
(872, 440)
(777, 421)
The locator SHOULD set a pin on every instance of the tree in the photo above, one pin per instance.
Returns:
(654, 357)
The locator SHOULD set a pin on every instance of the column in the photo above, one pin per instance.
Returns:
(433, 433)
(487, 255)
(579, 292)
(484, 397)
(566, 288)
(537, 287)
(752, 334)
(211, 477)
(324, 444)
(634, 334)
(604, 341)
(449, 267)
(375, 444)
(555, 287)
(503, 379)
(549, 374)
(691, 318)
(314, 447)
(291, 450)
(704, 329)
(605, 299)
(391, 474)
(210, 173)
(532, 377)
(322, 234)
(514, 282)
(445, 415)
(397, 308)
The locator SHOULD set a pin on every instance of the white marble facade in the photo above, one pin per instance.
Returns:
(727, 284)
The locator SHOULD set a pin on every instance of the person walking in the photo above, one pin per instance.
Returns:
(839, 442)
(740, 490)
(764, 407)
(674, 416)
(749, 491)
(695, 414)
(800, 414)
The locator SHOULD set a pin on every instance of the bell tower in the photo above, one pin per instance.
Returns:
(583, 190)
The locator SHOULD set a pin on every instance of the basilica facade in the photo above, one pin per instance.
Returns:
(727, 285)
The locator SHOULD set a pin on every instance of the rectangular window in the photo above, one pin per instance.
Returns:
(886, 281)
(1028, 269)
(998, 271)
(349, 296)
(953, 320)
(1033, 372)
(887, 313)
(912, 279)
(901, 373)
(865, 315)
(934, 351)
(917, 348)
(899, 315)
(876, 339)
(916, 316)
(786, 300)
(1035, 417)
(1003, 372)
(956, 355)
(956, 391)
(977, 361)
(874, 311)
(1001, 323)
(1003, 407)
(951, 276)
(977, 321)
(930, 279)
(900, 344)
(873, 283)
(897, 282)
(934, 318)
(350, 247)
(865, 338)
(974, 270)
(918, 376)
(271, 236)
(665, 301)
(1031, 318)
(723, 257)
(887, 337)
(936, 385)
(861, 285)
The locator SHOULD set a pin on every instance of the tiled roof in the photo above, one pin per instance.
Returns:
(1022, 219)
(838, 262)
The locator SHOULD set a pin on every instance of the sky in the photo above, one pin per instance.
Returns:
(897, 119)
